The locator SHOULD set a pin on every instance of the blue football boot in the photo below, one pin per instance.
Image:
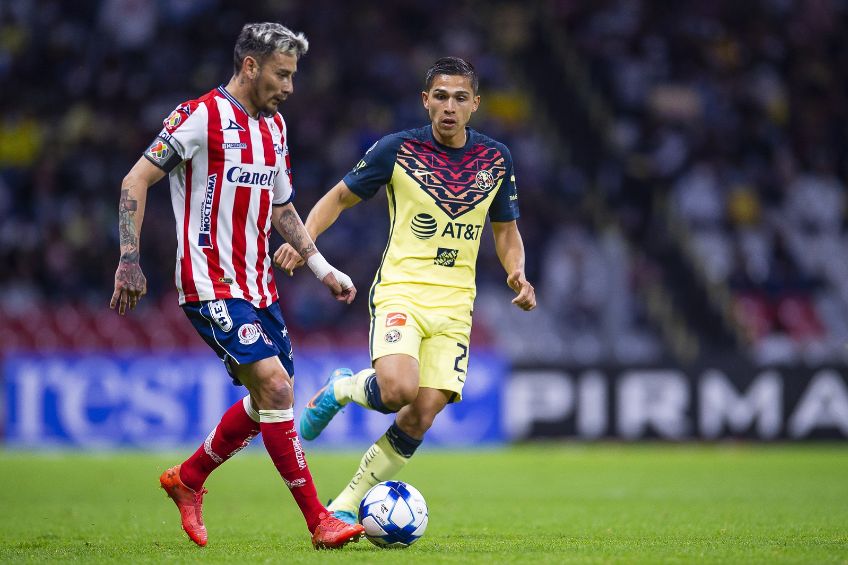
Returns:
(322, 407)
(346, 517)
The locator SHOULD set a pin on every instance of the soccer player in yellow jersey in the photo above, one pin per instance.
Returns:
(442, 180)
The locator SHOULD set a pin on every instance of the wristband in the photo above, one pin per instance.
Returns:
(319, 265)
(343, 279)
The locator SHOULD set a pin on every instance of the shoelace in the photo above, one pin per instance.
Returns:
(198, 496)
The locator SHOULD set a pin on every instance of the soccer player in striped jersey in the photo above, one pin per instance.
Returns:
(443, 180)
(227, 159)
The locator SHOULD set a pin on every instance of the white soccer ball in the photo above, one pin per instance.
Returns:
(394, 514)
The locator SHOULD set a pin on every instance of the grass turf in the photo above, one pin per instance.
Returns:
(547, 503)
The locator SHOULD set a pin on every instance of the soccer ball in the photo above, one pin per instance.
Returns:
(394, 514)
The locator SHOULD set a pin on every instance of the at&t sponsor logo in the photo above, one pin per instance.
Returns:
(458, 230)
(424, 226)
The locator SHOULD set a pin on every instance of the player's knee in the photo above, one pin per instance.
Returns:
(275, 393)
(416, 423)
(398, 393)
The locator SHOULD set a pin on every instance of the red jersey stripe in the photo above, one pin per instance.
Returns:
(186, 275)
(267, 144)
(262, 243)
(242, 202)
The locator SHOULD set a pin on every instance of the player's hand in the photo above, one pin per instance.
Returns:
(340, 285)
(130, 286)
(526, 299)
(287, 259)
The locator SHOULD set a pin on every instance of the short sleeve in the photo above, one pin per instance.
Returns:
(182, 136)
(504, 208)
(374, 170)
(283, 186)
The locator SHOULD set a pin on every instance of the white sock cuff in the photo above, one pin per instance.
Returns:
(248, 407)
(365, 373)
(275, 416)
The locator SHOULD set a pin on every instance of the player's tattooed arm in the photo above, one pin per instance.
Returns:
(323, 215)
(130, 282)
(127, 209)
(288, 223)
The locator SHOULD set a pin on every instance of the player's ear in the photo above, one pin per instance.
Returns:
(476, 103)
(425, 99)
(250, 67)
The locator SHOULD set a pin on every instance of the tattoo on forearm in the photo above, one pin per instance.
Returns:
(127, 209)
(293, 231)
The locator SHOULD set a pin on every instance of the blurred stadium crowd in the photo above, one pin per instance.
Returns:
(735, 113)
(726, 128)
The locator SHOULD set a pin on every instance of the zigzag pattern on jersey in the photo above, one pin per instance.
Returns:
(455, 186)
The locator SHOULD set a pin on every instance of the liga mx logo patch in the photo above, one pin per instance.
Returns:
(177, 117)
(159, 151)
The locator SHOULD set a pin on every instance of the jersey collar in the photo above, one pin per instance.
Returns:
(223, 90)
(447, 149)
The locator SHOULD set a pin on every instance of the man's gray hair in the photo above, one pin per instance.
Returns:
(262, 39)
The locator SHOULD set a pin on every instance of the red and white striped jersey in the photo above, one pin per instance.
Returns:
(226, 171)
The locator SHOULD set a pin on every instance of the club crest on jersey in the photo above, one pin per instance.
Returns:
(232, 126)
(485, 180)
(205, 237)
(395, 319)
(392, 336)
(455, 187)
(220, 315)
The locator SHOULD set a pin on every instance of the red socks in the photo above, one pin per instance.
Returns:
(285, 450)
(232, 434)
(235, 431)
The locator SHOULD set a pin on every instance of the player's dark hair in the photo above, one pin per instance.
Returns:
(451, 66)
(261, 39)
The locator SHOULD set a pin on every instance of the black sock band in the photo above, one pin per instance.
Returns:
(372, 395)
(401, 441)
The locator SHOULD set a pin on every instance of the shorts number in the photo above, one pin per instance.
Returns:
(460, 357)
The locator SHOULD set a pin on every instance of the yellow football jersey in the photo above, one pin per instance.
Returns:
(439, 198)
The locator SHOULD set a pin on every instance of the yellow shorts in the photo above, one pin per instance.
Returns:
(437, 338)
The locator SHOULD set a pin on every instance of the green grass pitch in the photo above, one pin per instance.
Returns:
(551, 503)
